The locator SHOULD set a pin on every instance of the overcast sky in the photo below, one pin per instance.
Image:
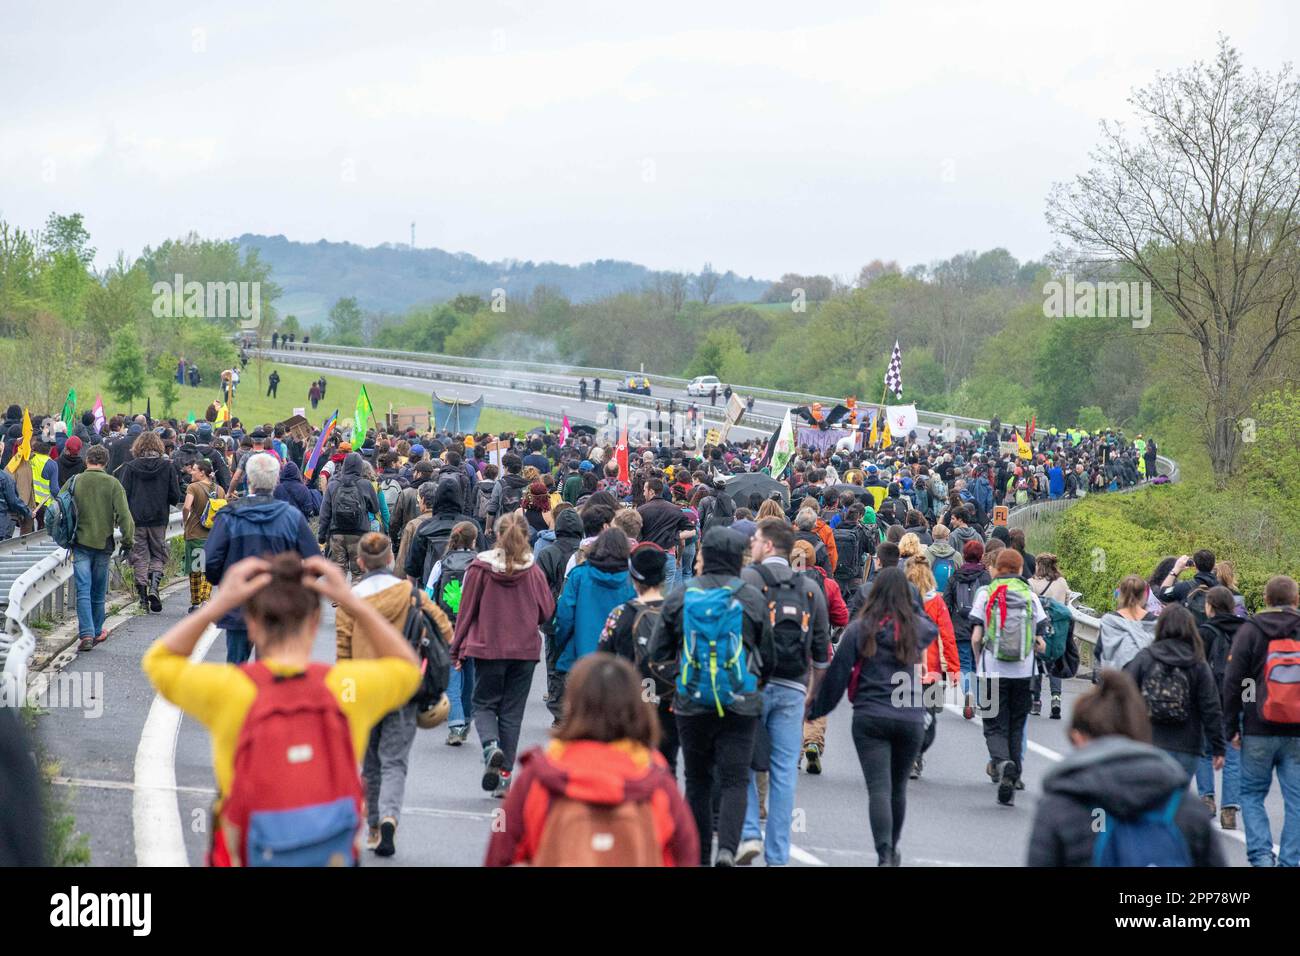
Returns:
(763, 137)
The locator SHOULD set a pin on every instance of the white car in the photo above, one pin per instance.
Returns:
(704, 385)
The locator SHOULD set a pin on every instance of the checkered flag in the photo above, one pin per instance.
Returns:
(894, 376)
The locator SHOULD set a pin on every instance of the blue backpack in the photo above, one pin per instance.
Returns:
(1152, 839)
(714, 664)
(943, 569)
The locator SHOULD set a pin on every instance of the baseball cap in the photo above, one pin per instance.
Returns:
(417, 451)
(647, 563)
(586, 466)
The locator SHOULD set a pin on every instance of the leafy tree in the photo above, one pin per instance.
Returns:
(713, 352)
(1091, 418)
(126, 369)
(345, 320)
(164, 382)
(67, 234)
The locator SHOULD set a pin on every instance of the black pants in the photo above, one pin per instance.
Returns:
(669, 741)
(500, 695)
(1004, 732)
(270, 390)
(727, 743)
(887, 748)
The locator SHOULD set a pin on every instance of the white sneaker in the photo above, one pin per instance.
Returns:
(748, 852)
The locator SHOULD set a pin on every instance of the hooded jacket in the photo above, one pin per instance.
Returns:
(959, 536)
(1119, 639)
(119, 449)
(1123, 778)
(600, 774)
(513, 482)
(554, 557)
(252, 527)
(69, 465)
(350, 471)
(1206, 715)
(431, 538)
(295, 491)
(391, 597)
(875, 691)
(1177, 592)
(500, 611)
(1250, 649)
(1217, 635)
(151, 490)
(590, 594)
(975, 574)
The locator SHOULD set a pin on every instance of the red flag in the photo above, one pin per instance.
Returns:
(1029, 429)
(620, 453)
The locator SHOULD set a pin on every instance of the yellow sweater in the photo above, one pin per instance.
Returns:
(219, 696)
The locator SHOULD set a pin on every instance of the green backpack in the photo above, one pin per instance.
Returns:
(1009, 619)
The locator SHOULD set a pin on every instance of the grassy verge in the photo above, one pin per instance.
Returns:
(65, 845)
(254, 406)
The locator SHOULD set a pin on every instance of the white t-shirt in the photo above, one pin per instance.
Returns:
(988, 664)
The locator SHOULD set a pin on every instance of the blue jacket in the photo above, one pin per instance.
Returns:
(1055, 481)
(292, 489)
(589, 596)
(983, 494)
(252, 527)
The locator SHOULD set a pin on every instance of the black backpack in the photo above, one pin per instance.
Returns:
(643, 629)
(347, 508)
(435, 543)
(451, 579)
(1195, 602)
(1168, 693)
(848, 553)
(963, 601)
(433, 651)
(719, 512)
(512, 497)
(790, 608)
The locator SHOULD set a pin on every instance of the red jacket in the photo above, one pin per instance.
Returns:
(938, 611)
(595, 773)
(500, 613)
(836, 610)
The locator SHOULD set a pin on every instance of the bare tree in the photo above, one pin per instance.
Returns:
(706, 283)
(1204, 204)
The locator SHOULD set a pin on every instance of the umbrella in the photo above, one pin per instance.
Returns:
(584, 429)
(856, 491)
(739, 487)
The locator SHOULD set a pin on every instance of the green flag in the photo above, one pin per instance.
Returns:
(70, 408)
(784, 448)
(190, 420)
(362, 414)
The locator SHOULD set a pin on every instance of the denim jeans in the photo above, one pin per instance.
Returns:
(1231, 795)
(1259, 755)
(966, 657)
(783, 717)
(90, 572)
(670, 572)
(460, 693)
(238, 647)
(1187, 761)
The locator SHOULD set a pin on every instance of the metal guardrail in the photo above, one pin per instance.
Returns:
(48, 587)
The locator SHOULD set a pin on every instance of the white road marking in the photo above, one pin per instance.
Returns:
(155, 810)
(803, 856)
(122, 785)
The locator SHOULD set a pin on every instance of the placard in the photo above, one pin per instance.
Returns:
(1000, 515)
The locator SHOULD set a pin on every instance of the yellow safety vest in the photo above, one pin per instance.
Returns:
(40, 486)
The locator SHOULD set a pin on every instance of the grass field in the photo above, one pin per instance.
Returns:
(254, 407)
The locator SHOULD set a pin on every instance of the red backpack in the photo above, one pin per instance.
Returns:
(296, 797)
(1282, 681)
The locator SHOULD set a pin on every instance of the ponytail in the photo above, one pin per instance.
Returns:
(512, 540)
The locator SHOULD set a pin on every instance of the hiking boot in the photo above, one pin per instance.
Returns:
(457, 735)
(917, 766)
(1056, 707)
(502, 786)
(142, 591)
(1208, 800)
(725, 858)
(968, 710)
(1037, 708)
(1228, 818)
(748, 852)
(494, 761)
(993, 771)
(1007, 783)
(813, 753)
(155, 599)
(372, 838)
(387, 831)
(87, 644)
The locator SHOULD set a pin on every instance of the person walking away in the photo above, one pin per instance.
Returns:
(446, 586)
(888, 637)
(1007, 615)
(101, 507)
(504, 600)
(151, 489)
(1217, 635)
(837, 614)
(553, 559)
(1181, 696)
(13, 510)
(599, 794)
(1115, 774)
(273, 383)
(717, 710)
(389, 748)
(1261, 709)
(194, 510)
(582, 390)
(942, 663)
(269, 797)
(1191, 592)
(313, 394)
(253, 526)
(1048, 584)
(943, 558)
(591, 591)
(665, 525)
(1129, 628)
(45, 480)
(345, 511)
(959, 596)
(801, 644)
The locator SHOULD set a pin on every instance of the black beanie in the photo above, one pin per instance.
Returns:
(647, 563)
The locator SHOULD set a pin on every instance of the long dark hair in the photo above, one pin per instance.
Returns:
(1177, 624)
(889, 605)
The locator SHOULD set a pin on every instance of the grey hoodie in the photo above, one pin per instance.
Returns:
(1119, 640)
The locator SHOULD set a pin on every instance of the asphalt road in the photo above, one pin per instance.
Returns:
(141, 782)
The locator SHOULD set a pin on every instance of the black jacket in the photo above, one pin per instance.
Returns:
(220, 466)
(69, 465)
(1246, 663)
(351, 471)
(1217, 635)
(962, 625)
(876, 692)
(119, 450)
(447, 512)
(1119, 777)
(1177, 592)
(1206, 714)
(151, 490)
(553, 558)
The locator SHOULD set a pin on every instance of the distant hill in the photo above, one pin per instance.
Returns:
(388, 278)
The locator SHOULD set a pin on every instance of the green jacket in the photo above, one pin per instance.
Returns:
(101, 505)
